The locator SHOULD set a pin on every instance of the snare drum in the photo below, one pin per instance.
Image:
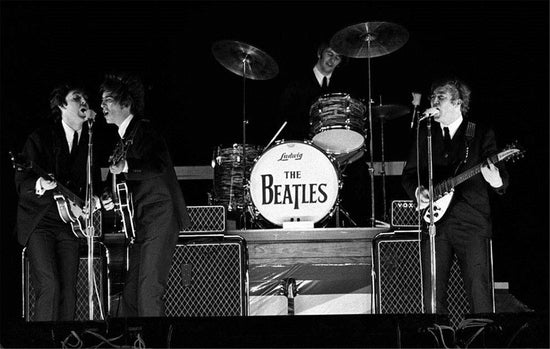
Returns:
(229, 175)
(294, 181)
(337, 123)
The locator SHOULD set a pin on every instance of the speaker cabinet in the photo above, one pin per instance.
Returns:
(100, 295)
(398, 278)
(208, 277)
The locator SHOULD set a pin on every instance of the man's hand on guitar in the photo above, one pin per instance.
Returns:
(491, 174)
(97, 205)
(118, 167)
(42, 185)
(107, 202)
(422, 197)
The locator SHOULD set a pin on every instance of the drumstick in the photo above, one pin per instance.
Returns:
(272, 139)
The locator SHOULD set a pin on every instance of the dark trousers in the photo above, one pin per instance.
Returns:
(474, 258)
(53, 256)
(149, 266)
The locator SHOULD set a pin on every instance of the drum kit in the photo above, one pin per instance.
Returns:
(300, 181)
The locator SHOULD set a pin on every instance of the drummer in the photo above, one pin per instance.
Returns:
(294, 106)
(301, 93)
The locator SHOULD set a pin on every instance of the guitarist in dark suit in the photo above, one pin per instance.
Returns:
(160, 211)
(294, 105)
(60, 148)
(465, 229)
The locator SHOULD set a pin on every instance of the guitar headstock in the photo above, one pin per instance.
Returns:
(19, 162)
(512, 151)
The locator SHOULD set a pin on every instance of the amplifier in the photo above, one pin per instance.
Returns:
(398, 278)
(210, 219)
(404, 214)
(101, 295)
(208, 277)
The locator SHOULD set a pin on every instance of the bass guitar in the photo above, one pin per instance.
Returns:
(444, 191)
(69, 205)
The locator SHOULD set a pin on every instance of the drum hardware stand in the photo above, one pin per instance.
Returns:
(236, 56)
(383, 168)
(371, 150)
(356, 41)
(338, 210)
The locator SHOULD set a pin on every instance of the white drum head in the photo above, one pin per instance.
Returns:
(339, 141)
(294, 181)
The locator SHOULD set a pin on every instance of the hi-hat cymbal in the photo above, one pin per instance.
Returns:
(245, 60)
(389, 111)
(369, 39)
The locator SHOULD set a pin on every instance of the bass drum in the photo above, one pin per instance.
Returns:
(294, 181)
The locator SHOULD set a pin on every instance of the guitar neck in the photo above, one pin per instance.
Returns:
(448, 184)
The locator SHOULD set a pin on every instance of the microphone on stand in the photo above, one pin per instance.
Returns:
(428, 113)
(90, 115)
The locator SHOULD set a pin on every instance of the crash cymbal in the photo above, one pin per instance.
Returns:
(369, 39)
(389, 111)
(235, 55)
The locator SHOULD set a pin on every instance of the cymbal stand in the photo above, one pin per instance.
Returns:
(245, 122)
(368, 38)
(383, 168)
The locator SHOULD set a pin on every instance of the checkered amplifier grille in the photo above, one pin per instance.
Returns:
(208, 277)
(100, 262)
(404, 214)
(206, 219)
(398, 286)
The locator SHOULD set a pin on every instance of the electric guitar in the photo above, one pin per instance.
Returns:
(444, 191)
(69, 205)
(122, 198)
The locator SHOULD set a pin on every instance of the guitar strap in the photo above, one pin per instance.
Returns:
(469, 136)
(470, 132)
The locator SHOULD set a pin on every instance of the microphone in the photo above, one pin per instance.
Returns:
(415, 102)
(90, 114)
(428, 113)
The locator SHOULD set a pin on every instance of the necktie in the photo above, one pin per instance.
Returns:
(325, 83)
(447, 140)
(75, 143)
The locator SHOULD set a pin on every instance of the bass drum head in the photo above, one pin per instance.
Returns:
(294, 181)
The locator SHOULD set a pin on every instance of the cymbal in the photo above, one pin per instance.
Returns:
(235, 56)
(389, 111)
(369, 39)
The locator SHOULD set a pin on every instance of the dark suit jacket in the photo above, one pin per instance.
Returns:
(48, 148)
(296, 101)
(152, 180)
(470, 205)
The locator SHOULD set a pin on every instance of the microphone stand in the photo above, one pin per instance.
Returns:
(90, 229)
(431, 226)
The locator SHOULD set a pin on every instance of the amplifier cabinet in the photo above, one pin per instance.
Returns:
(398, 278)
(101, 293)
(207, 219)
(208, 277)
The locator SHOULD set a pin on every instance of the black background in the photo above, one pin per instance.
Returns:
(499, 48)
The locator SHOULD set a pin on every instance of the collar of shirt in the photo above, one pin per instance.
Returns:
(69, 134)
(122, 128)
(452, 126)
(320, 76)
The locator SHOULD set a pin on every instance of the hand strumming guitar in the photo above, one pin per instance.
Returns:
(119, 167)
